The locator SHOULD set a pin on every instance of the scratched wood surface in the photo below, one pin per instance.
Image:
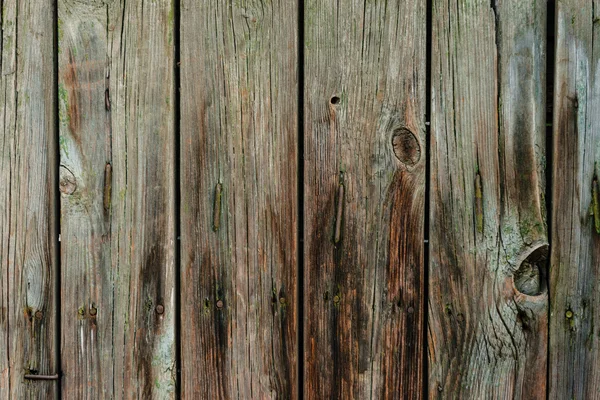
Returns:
(365, 156)
(27, 209)
(575, 260)
(116, 110)
(239, 167)
(487, 330)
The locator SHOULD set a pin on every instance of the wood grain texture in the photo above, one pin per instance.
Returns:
(365, 157)
(575, 260)
(488, 298)
(116, 91)
(239, 198)
(27, 209)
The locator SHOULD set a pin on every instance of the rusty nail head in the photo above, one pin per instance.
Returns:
(282, 300)
(93, 310)
(160, 309)
(220, 304)
(39, 314)
(411, 310)
(336, 299)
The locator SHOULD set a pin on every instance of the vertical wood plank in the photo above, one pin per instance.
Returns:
(27, 209)
(239, 140)
(365, 158)
(488, 295)
(575, 261)
(116, 73)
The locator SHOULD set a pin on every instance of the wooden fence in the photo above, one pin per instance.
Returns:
(248, 199)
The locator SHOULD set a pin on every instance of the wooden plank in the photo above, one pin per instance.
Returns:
(27, 209)
(239, 198)
(575, 305)
(365, 158)
(488, 294)
(116, 74)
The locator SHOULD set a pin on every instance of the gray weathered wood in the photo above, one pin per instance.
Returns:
(27, 210)
(116, 72)
(575, 261)
(488, 297)
(239, 198)
(365, 158)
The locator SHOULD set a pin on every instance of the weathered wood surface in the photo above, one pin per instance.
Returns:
(575, 260)
(116, 96)
(488, 299)
(27, 210)
(365, 157)
(239, 169)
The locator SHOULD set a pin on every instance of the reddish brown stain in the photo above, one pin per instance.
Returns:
(72, 84)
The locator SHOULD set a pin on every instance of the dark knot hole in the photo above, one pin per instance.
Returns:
(532, 276)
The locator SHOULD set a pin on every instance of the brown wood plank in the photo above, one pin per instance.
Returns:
(488, 297)
(575, 304)
(27, 209)
(239, 198)
(116, 74)
(365, 158)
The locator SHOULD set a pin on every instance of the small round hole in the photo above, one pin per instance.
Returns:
(335, 100)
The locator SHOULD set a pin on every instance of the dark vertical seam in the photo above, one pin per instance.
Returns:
(300, 211)
(428, 40)
(9, 182)
(177, 183)
(16, 72)
(550, 68)
(56, 198)
(109, 162)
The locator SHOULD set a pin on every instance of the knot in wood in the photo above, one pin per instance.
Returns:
(530, 278)
(406, 146)
(68, 183)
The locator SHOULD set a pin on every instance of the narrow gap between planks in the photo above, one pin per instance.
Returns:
(550, 51)
(177, 167)
(300, 210)
(56, 206)
(428, 38)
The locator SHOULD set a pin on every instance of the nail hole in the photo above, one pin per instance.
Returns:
(530, 278)
(335, 100)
